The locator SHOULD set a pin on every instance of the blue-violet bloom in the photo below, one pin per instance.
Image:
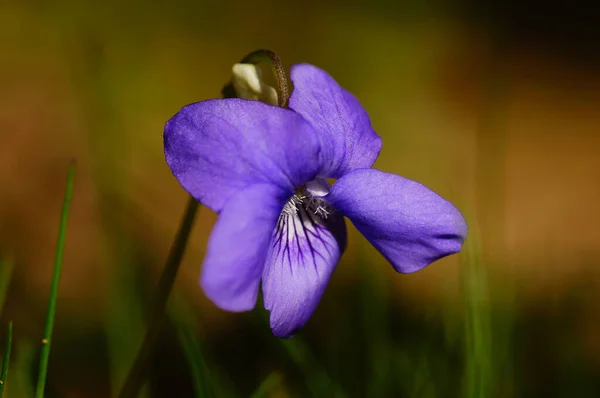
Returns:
(263, 169)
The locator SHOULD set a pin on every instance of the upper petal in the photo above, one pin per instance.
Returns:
(343, 126)
(408, 223)
(217, 147)
(238, 246)
(304, 252)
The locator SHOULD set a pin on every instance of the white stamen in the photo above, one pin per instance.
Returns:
(292, 206)
(306, 202)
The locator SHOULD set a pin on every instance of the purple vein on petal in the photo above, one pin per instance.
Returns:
(305, 249)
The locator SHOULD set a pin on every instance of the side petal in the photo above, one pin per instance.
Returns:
(343, 126)
(238, 247)
(217, 147)
(408, 223)
(305, 250)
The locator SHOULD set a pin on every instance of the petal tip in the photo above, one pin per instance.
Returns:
(282, 329)
(225, 300)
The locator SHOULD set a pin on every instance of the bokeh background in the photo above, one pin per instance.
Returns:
(495, 105)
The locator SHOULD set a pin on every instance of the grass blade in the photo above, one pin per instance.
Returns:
(208, 380)
(6, 358)
(478, 334)
(125, 321)
(135, 377)
(60, 245)
(317, 379)
(269, 384)
(198, 368)
(22, 365)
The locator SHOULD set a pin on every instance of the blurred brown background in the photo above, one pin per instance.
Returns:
(496, 107)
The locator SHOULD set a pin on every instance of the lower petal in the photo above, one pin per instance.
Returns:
(305, 250)
(238, 247)
(408, 223)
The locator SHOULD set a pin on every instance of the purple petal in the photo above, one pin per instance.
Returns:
(238, 246)
(304, 252)
(408, 223)
(348, 141)
(217, 147)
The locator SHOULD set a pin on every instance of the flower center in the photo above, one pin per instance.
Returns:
(308, 197)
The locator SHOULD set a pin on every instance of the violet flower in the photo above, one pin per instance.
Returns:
(263, 169)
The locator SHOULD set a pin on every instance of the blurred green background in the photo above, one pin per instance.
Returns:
(493, 105)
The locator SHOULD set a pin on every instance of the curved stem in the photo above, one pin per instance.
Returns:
(258, 56)
(135, 378)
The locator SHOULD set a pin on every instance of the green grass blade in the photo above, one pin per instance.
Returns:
(317, 379)
(135, 377)
(375, 326)
(208, 380)
(269, 384)
(125, 321)
(6, 358)
(6, 268)
(22, 365)
(478, 334)
(198, 368)
(60, 245)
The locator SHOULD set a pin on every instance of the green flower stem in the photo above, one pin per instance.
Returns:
(60, 245)
(136, 375)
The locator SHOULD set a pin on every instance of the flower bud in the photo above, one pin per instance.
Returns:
(248, 84)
